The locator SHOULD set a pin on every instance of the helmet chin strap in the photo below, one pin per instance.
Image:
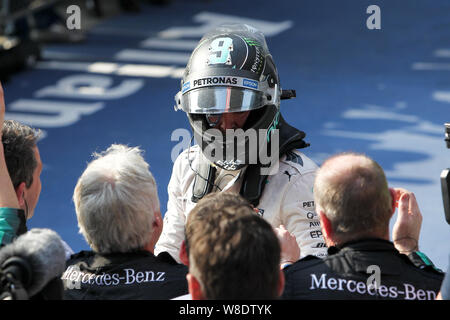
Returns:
(253, 181)
(202, 185)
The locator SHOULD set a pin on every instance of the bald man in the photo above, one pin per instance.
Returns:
(355, 205)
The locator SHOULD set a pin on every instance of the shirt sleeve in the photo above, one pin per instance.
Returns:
(12, 224)
(174, 219)
(299, 216)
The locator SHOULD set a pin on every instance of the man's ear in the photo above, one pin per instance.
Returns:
(20, 193)
(158, 221)
(281, 281)
(393, 201)
(194, 287)
(325, 223)
(156, 233)
(183, 254)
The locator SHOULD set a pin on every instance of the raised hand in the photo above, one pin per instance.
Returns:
(406, 231)
(290, 251)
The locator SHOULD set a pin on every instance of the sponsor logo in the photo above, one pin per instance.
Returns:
(70, 281)
(308, 204)
(214, 80)
(315, 234)
(250, 83)
(405, 291)
(314, 224)
(311, 215)
(186, 86)
(288, 174)
(73, 277)
(251, 42)
(260, 212)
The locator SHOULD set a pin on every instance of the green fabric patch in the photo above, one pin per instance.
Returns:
(9, 224)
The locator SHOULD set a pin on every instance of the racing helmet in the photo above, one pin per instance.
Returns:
(230, 71)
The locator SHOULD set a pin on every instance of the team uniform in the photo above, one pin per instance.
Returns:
(364, 269)
(287, 199)
(123, 276)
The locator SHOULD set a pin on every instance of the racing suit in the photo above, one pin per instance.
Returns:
(350, 272)
(287, 199)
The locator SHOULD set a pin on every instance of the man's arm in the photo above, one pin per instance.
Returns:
(8, 196)
(174, 219)
(12, 219)
(290, 251)
(406, 231)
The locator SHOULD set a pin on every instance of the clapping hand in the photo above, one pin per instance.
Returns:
(406, 231)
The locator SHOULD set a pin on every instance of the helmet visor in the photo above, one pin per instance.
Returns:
(213, 100)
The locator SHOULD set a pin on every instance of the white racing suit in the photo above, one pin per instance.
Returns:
(287, 199)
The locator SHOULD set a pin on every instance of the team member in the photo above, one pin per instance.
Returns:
(20, 169)
(355, 205)
(117, 207)
(24, 165)
(231, 94)
(233, 253)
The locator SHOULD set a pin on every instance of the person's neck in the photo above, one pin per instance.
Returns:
(150, 248)
(339, 241)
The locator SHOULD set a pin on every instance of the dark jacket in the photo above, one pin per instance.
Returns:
(124, 276)
(345, 274)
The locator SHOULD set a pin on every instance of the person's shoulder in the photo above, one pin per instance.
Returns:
(189, 153)
(422, 265)
(297, 161)
(305, 263)
(82, 255)
(295, 170)
(186, 159)
(165, 258)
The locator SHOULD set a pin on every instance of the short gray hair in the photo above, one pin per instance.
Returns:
(116, 199)
(353, 193)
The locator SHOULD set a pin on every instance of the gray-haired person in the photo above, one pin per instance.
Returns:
(117, 207)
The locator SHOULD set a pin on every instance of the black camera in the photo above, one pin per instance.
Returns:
(445, 179)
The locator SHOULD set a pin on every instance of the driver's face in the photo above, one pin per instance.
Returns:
(231, 120)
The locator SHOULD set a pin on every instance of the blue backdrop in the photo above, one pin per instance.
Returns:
(382, 92)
